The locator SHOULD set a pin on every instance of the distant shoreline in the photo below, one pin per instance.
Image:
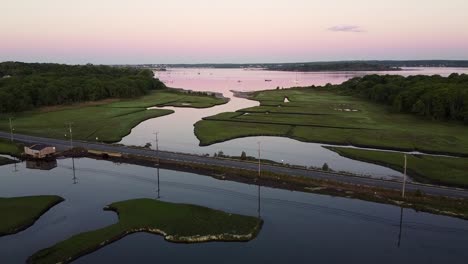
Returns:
(352, 65)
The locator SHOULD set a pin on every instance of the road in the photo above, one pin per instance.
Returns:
(188, 158)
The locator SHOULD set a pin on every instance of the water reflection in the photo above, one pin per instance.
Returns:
(75, 180)
(259, 202)
(15, 165)
(41, 164)
(158, 190)
(401, 226)
(291, 219)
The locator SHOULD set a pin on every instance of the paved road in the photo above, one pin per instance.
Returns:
(63, 144)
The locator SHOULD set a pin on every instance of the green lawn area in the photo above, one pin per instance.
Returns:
(108, 122)
(171, 98)
(176, 222)
(423, 168)
(9, 148)
(318, 115)
(20, 213)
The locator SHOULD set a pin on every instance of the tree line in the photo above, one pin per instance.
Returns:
(435, 97)
(331, 66)
(25, 86)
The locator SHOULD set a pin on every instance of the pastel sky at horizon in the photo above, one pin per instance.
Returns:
(241, 31)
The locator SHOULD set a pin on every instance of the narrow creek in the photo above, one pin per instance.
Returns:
(176, 131)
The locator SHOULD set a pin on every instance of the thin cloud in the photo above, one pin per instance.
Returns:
(346, 28)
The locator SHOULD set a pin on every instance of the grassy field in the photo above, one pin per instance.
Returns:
(19, 213)
(177, 222)
(317, 115)
(9, 148)
(429, 169)
(108, 121)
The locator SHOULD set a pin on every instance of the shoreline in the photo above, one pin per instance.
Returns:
(123, 228)
(33, 221)
(455, 207)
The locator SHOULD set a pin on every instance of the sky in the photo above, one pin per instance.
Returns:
(237, 31)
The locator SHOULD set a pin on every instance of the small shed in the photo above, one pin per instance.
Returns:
(39, 151)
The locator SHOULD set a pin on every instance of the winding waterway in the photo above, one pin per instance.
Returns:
(176, 130)
(298, 227)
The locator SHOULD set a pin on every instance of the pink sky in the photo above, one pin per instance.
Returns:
(177, 31)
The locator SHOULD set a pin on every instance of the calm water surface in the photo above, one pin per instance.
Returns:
(298, 227)
(176, 130)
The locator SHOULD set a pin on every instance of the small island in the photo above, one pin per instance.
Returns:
(20, 213)
(179, 223)
(6, 161)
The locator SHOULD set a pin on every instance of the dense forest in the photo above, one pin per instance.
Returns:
(436, 97)
(423, 63)
(25, 86)
(331, 66)
(303, 66)
(366, 65)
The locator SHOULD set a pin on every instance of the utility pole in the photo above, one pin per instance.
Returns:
(259, 165)
(70, 124)
(11, 130)
(404, 179)
(157, 146)
(157, 157)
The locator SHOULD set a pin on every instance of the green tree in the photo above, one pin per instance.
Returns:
(243, 156)
(325, 167)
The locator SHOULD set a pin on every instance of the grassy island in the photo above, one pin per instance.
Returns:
(180, 223)
(335, 115)
(430, 169)
(6, 161)
(20, 213)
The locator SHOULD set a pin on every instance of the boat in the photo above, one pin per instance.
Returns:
(296, 81)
